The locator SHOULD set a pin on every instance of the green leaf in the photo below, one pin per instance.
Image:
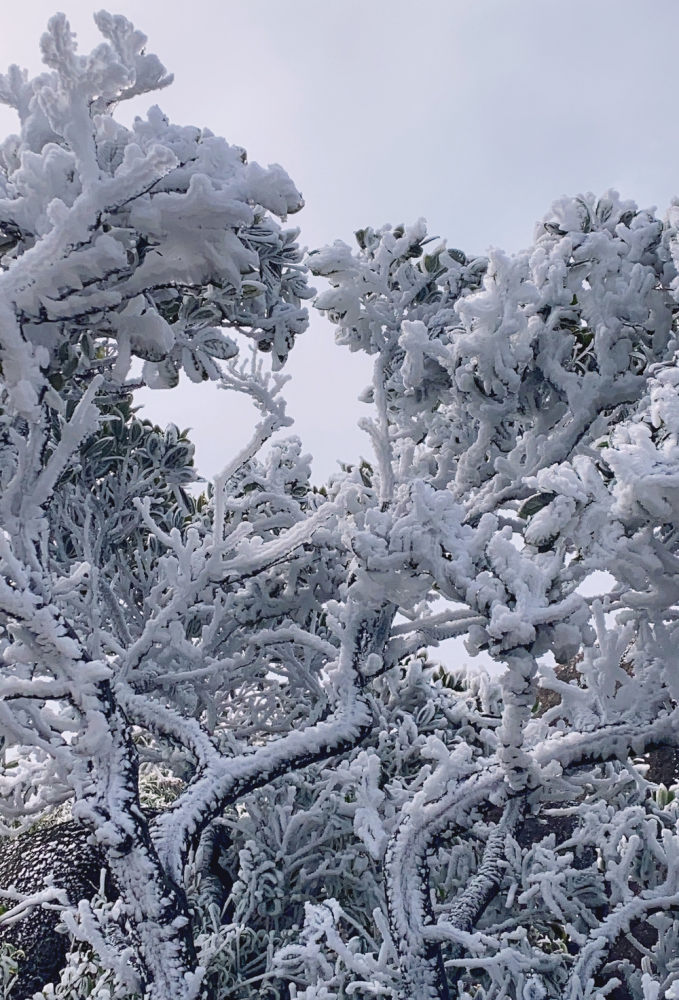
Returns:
(165, 374)
(102, 448)
(154, 447)
(216, 344)
(136, 431)
(535, 503)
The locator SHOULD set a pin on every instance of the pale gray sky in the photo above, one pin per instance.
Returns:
(473, 114)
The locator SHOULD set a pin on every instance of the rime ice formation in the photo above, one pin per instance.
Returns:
(231, 694)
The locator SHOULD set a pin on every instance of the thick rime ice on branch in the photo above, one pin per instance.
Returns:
(232, 692)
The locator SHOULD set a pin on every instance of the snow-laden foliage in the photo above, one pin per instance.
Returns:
(235, 692)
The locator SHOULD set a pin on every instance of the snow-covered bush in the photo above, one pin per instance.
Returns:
(236, 692)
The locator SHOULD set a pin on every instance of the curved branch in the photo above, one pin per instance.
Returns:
(471, 903)
(483, 886)
(218, 783)
(410, 910)
(165, 956)
(603, 937)
(164, 721)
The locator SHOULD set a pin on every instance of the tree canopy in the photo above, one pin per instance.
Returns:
(233, 686)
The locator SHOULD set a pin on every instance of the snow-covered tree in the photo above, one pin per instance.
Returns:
(231, 692)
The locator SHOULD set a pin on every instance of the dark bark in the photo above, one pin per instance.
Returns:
(484, 885)
(61, 851)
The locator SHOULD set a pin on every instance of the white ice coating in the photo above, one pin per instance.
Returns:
(262, 649)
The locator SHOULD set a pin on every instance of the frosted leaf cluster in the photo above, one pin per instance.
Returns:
(236, 691)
